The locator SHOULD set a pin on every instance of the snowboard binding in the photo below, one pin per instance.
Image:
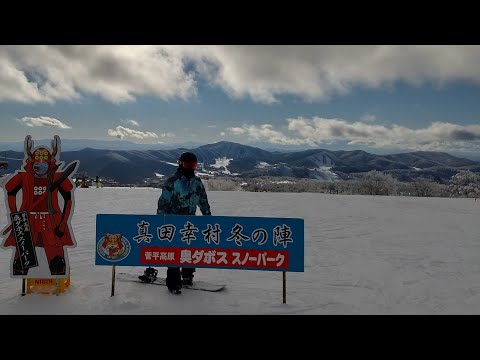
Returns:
(187, 280)
(149, 275)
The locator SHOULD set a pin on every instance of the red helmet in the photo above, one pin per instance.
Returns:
(41, 159)
(188, 160)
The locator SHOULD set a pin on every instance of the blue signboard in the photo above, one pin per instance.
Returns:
(250, 243)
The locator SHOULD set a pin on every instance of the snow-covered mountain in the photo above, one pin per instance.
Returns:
(232, 159)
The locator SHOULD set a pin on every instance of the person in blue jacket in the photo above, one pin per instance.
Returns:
(181, 194)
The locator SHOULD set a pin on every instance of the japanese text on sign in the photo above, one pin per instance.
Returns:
(23, 238)
(280, 235)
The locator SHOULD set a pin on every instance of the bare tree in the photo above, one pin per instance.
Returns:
(222, 184)
(465, 184)
(377, 183)
(423, 187)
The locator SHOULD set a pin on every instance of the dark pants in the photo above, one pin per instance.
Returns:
(173, 276)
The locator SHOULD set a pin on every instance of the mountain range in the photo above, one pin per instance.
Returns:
(137, 166)
(79, 144)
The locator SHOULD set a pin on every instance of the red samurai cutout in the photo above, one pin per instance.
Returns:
(42, 222)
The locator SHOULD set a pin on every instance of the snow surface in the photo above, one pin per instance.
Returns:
(117, 157)
(363, 255)
(262, 165)
(221, 162)
(169, 163)
(327, 173)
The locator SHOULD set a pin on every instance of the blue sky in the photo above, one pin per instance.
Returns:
(377, 98)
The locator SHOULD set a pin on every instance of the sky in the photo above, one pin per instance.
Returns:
(363, 255)
(377, 98)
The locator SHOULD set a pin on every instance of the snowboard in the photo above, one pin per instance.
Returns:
(197, 285)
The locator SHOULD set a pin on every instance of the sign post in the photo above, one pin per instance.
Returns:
(113, 280)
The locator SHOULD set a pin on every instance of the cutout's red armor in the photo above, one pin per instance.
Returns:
(48, 223)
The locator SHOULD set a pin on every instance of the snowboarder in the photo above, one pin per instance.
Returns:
(181, 194)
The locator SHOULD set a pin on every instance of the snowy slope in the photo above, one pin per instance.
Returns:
(363, 255)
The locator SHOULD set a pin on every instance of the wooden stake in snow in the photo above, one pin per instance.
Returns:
(113, 280)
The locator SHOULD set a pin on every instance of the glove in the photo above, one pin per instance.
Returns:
(60, 229)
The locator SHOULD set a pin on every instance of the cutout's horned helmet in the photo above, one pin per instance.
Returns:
(41, 158)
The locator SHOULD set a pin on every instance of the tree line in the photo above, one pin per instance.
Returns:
(463, 184)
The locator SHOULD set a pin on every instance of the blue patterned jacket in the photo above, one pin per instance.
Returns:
(181, 196)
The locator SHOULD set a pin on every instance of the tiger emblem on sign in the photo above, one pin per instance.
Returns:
(114, 247)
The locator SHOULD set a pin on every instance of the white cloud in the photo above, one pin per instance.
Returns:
(122, 132)
(212, 126)
(237, 130)
(131, 122)
(120, 73)
(368, 118)
(169, 134)
(438, 136)
(117, 73)
(266, 132)
(222, 133)
(43, 121)
(318, 72)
